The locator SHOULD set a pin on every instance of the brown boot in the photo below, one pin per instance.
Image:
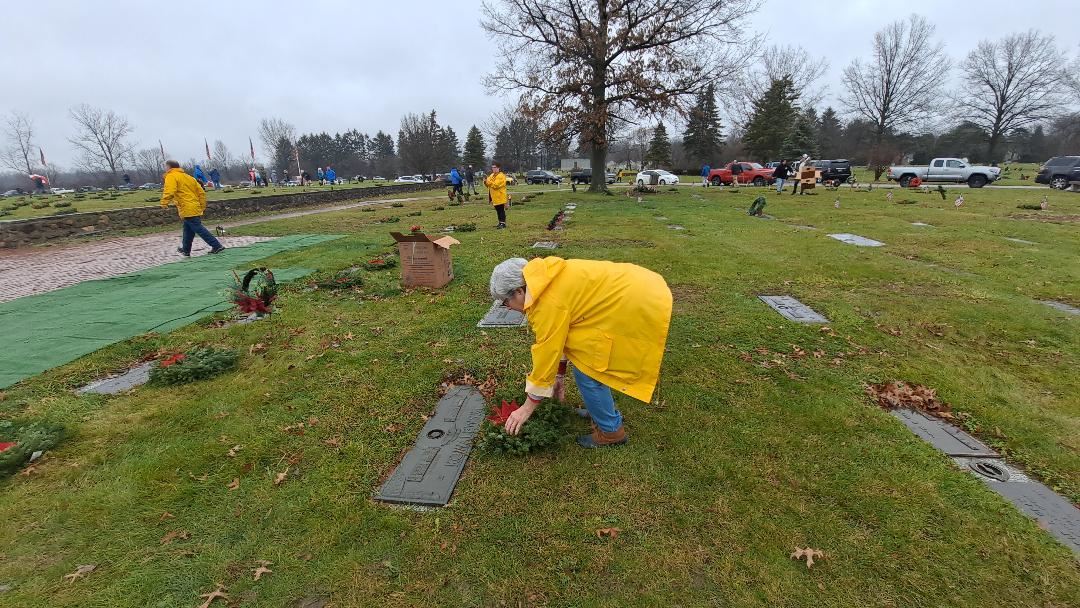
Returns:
(603, 439)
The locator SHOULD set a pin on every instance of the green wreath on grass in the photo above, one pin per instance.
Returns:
(547, 425)
(21, 440)
(196, 364)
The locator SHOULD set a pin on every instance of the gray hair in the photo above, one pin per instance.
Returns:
(507, 277)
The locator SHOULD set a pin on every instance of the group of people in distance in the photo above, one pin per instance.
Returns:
(781, 173)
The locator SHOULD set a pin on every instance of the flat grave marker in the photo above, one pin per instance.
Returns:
(1022, 241)
(922, 224)
(501, 316)
(429, 471)
(676, 227)
(1063, 307)
(854, 239)
(545, 245)
(136, 376)
(943, 435)
(793, 310)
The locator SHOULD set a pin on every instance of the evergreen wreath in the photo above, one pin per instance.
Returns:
(20, 440)
(547, 425)
(255, 293)
(196, 364)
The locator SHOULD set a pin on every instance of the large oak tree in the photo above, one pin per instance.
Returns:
(588, 68)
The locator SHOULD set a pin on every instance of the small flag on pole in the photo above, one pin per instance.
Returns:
(959, 201)
(888, 196)
(1044, 204)
(252, 146)
(162, 149)
(45, 164)
(837, 203)
(207, 150)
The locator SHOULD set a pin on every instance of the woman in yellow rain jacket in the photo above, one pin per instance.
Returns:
(609, 320)
(496, 184)
(187, 194)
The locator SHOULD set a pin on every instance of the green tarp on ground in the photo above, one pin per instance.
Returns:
(44, 331)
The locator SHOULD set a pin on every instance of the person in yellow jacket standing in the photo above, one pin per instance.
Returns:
(189, 198)
(496, 184)
(611, 322)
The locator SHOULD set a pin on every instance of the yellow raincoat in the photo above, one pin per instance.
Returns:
(611, 320)
(185, 192)
(496, 184)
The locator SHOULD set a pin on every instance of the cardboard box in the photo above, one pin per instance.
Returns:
(425, 262)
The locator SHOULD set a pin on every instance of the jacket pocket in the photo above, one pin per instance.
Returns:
(598, 347)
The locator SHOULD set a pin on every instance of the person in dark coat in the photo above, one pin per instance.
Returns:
(736, 171)
(780, 174)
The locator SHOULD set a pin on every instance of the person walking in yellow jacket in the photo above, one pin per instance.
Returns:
(496, 184)
(189, 198)
(611, 322)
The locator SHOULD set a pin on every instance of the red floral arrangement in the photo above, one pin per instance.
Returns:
(172, 359)
(255, 293)
(499, 415)
(415, 228)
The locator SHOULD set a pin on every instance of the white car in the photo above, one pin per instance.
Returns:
(408, 179)
(61, 190)
(663, 178)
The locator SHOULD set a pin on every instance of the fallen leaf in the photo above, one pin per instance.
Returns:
(608, 532)
(334, 442)
(175, 534)
(280, 477)
(262, 569)
(166, 515)
(392, 428)
(819, 354)
(233, 450)
(235, 484)
(312, 421)
(298, 428)
(220, 415)
(809, 554)
(80, 572)
(348, 336)
(218, 593)
(256, 348)
(202, 477)
(746, 357)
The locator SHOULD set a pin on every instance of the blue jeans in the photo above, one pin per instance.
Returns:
(193, 226)
(599, 402)
(779, 185)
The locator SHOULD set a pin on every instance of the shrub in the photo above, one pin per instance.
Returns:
(61, 204)
(196, 364)
(39, 205)
(65, 211)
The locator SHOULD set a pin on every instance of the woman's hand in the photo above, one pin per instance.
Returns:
(520, 417)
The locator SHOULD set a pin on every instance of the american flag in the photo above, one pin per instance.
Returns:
(45, 164)
(162, 149)
(252, 146)
(888, 196)
(959, 201)
(207, 150)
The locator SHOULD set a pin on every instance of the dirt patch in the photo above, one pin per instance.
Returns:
(1053, 219)
(685, 296)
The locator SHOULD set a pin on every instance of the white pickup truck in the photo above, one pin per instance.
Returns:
(950, 170)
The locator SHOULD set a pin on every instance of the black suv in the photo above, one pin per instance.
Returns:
(1059, 171)
(542, 177)
(585, 177)
(834, 170)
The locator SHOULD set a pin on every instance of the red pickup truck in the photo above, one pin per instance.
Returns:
(752, 173)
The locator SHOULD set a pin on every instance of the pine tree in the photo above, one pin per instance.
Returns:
(383, 158)
(659, 154)
(772, 121)
(703, 138)
(830, 131)
(474, 148)
(801, 139)
(449, 148)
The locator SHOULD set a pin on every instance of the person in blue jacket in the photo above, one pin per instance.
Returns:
(215, 176)
(705, 174)
(199, 176)
(456, 181)
(331, 175)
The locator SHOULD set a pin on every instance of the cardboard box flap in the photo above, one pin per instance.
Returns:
(446, 241)
(419, 237)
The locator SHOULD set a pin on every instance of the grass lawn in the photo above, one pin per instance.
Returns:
(104, 201)
(749, 451)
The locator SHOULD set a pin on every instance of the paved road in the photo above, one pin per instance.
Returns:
(35, 270)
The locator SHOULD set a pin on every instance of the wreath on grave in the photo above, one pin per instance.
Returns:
(255, 292)
(557, 221)
(196, 364)
(345, 279)
(545, 428)
(20, 441)
(381, 262)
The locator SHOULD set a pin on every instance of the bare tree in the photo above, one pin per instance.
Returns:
(101, 139)
(902, 83)
(1011, 83)
(749, 84)
(587, 68)
(149, 163)
(271, 130)
(20, 136)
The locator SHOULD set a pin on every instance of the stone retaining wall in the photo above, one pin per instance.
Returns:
(34, 231)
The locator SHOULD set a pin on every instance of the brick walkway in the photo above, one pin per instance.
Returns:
(30, 271)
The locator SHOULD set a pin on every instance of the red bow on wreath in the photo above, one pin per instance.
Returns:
(499, 415)
(172, 360)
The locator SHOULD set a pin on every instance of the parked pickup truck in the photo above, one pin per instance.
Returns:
(752, 173)
(950, 170)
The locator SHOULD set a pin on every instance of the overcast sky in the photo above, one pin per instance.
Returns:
(190, 70)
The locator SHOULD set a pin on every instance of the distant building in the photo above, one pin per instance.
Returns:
(572, 164)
